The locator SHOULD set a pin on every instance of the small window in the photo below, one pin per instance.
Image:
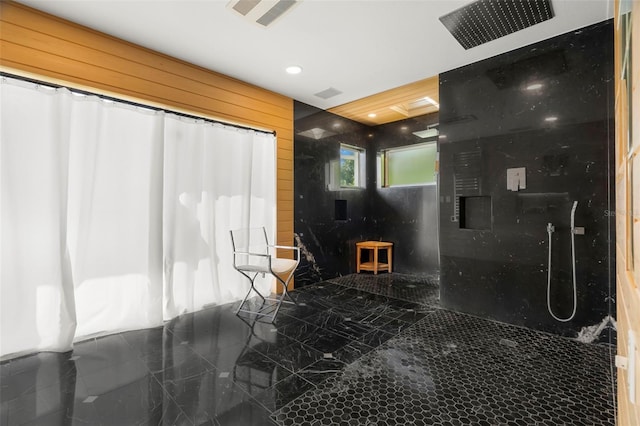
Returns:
(408, 165)
(352, 164)
(348, 171)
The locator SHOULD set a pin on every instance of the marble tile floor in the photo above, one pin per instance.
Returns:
(423, 289)
(343, 356)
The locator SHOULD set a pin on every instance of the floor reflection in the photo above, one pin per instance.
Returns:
(354, 349)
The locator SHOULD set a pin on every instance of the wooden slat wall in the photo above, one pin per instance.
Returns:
(38, 45)
(628, 220)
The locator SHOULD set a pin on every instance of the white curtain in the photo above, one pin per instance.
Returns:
(115, 189)
(99, 200)
(36, 293)
(215, 180)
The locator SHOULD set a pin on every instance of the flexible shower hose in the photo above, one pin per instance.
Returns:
(551, 230)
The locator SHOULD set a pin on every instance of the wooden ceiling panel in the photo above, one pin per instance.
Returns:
(392, 105)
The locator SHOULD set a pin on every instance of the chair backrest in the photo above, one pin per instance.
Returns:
(249, 240)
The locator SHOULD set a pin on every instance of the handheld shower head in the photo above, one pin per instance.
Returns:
(550, 229)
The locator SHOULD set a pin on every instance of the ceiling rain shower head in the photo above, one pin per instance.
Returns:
(485, 20)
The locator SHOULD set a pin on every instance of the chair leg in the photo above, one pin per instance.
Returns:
(252, 288)
(279, 301)
(285, 293)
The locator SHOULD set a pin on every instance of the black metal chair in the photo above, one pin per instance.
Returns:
(253, 255)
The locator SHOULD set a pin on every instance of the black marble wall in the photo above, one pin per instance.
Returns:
(327, 243)
(548, 108)
(406, 216)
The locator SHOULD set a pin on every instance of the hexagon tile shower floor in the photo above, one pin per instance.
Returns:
(454, 369)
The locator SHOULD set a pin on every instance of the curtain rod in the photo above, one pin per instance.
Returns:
(136, 104)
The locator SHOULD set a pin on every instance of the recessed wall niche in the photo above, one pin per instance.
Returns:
(341, 210)
(475, 212)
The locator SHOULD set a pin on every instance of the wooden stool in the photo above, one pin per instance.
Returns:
(373, 265)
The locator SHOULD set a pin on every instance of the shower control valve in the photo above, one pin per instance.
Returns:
(550, 228)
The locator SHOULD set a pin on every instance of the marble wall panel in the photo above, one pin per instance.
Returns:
(548, 108)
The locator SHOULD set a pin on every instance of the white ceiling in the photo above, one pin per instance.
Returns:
(358, 47)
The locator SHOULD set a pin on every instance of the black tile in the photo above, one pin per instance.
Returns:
(322, 369)
(371, 319)
(412, 317)
(453, 369)
(321, 290)
(394, 326)
(246, 413)
(351, 352)
(216, 327)
(283, 392)
(339, 324)
(325, 341)
(98, 382)
(178, 362)
(295, 356)
(140, 401)
(415, 365)
(423, 289)
(298, 331)
(375, 338)
(270, 342)
(255, 370)
(284, 318)
(223, 359)
(206, 397)
(300, 311)
(30, 374)
(147, 340)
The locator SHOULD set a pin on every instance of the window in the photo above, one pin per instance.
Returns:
(408, 165)
(348, 171)
(351, 167)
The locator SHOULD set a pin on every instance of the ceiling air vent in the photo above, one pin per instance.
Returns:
(485, 20)
(262, 12)
(328, 93)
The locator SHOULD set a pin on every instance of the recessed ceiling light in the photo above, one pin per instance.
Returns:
(317, 133)
(294, 69)
(372, 115)
(534, 86)
(551, 118)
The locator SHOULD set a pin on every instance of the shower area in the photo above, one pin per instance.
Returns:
(510, 253)
(520, 228)
(526, 187)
